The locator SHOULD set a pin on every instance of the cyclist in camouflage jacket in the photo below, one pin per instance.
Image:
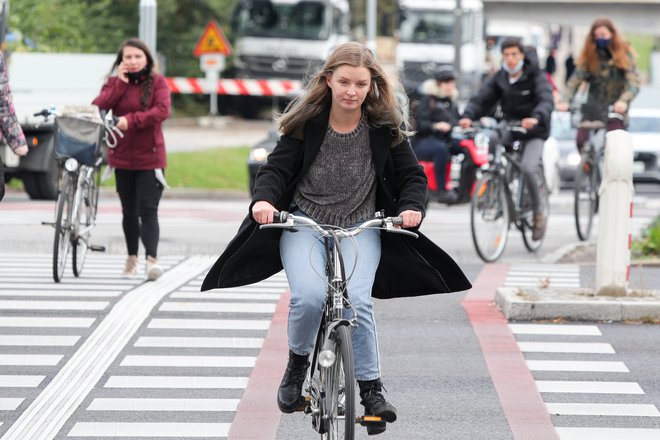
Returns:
(606, 65)
(9, 126)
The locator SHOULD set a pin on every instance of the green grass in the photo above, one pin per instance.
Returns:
(643, 45)
(648, 245)
(219, 168)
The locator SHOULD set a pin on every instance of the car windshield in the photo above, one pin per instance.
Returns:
(301, 20)
(427, 27)
(644, 124)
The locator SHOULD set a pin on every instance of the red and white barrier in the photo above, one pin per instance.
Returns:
(233, 86)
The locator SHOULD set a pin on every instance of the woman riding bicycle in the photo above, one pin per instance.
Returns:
(342, 156)
(606, 64)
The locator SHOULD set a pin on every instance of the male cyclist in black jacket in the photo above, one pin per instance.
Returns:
(524, 94)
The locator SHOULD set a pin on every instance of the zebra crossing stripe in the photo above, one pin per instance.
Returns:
(153, 404)
(10, 403)
(40, 321)
(566, 347)
(198, 342)
(603, 409)
(591, 366)
(30, 359)
(48, 412)
(176, 382)
(38, 340)
(607, 433)
(20, 381)
(52, 305)
(588, 387)
(62, 294)
(161, 430)
(245, 295)
(188, 361)
(209, 324)
(203, 307)
(564, 329)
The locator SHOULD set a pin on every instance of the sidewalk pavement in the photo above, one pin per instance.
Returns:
(548, 302)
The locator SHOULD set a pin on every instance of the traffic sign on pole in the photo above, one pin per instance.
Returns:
(213, 40)
(212, 48)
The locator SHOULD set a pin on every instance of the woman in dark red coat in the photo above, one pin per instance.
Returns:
(140, 98)
(343, 156)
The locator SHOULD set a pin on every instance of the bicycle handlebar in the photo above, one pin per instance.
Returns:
(286, 220)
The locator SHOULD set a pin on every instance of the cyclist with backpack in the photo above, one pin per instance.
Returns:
(523, 93)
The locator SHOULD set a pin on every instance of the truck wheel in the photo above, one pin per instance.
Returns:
(42, 186)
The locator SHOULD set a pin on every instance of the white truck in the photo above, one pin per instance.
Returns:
(38, 81)
(285, 38)
(426, 40)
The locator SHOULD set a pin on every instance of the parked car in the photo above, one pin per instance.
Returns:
(644, 126)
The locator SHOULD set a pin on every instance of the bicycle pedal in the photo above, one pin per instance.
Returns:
(97, 248)
(368, 420)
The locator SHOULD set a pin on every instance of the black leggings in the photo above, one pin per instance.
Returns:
(139, 192)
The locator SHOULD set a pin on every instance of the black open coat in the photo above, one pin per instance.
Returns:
(408, 266)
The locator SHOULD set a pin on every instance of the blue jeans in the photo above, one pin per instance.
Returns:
(303, 257)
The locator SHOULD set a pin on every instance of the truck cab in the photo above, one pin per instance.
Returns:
(287, 38)
(426, 40)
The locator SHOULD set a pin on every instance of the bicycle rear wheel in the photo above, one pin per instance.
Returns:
(585, 195)
(528, 215)
(84, 221)
(489, 218)
(62, 241)
(340, 389)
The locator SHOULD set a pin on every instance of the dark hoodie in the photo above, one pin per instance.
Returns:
(529, 97)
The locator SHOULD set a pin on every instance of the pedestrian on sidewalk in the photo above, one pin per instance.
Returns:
(343, 155)
(140, 98)
(11, 129)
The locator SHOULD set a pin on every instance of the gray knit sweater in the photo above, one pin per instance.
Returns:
(340, 187)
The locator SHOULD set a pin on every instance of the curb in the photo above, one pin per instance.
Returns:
(575, 305)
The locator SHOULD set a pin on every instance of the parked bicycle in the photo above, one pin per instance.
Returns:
(501, 197)
(330, 382)
(589, 173)
(79, 136)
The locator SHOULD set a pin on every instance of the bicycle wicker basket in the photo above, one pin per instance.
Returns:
(79, 134)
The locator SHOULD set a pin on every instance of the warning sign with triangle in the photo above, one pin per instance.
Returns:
(213, 40)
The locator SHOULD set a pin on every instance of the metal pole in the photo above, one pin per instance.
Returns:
(458, 41)
(371, 25)
(147, 28)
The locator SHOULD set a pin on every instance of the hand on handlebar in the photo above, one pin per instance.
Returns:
(263, 212)
(620, 107)
(563, 106)
(411, 218)
(529, 123)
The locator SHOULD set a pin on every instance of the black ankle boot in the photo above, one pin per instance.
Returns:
(289, 397)
(376, 405)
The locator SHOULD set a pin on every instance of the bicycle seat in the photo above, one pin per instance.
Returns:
(592, 124)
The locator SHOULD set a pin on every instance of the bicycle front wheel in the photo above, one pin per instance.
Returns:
(489, 218)
(544, 207)
(340, 389)
(84, 222)
(585, 197)
(62, 241)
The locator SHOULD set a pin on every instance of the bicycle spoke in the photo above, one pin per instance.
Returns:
(489, 218)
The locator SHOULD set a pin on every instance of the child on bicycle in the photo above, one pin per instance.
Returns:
(522, 90)
(607, 65)
(342, 156)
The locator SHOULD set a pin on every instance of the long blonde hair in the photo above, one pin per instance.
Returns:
(381, 106)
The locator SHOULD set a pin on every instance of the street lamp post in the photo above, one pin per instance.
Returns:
(147, 27)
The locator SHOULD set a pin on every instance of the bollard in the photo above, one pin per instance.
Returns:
(615, 216)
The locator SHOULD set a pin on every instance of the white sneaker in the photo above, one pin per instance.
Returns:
(130, 268)
(152, 269)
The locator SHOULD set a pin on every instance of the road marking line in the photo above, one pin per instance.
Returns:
(566, 347)
(204, 307)
(55, 287)
(555, 329)
(188, 361)
(245, 295)
(152, 404)
(198, 342)
(603, 409)
(58, 293)
(607, 434)
(196, 382)
(52, 305)
(38, 340)
(209, 324)
(588, 387)
(10, 403)
(117, 429)
(46, 415)
(591, 366)
(39, 321)
(30, 359)
(20, 381)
